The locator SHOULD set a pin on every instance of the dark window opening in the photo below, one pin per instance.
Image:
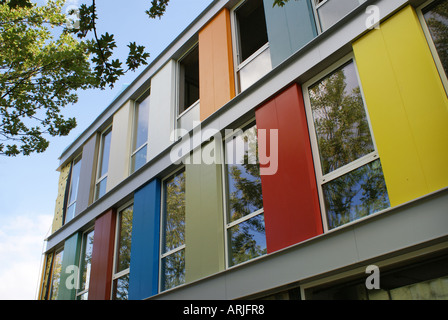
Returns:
(189, 79)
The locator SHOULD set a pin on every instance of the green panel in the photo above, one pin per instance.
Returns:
(204, 247)
(70, 264)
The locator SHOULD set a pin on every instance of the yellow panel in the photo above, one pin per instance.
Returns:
(59, 207)
(407, 105)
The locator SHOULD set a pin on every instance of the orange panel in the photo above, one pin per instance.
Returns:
(216, 77)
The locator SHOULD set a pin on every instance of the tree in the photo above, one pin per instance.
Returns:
(40, 75)
(44, 61)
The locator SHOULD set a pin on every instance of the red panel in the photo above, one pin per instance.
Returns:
(290, 198)
(102, 257)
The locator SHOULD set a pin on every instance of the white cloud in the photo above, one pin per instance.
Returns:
(21, 245)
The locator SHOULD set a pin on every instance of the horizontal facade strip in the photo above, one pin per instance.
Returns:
(356, 245)
(317, 55)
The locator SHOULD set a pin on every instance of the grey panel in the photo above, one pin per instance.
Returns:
(86, 175)
(289, 28)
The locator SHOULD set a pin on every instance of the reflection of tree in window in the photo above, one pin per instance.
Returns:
(340, 120)
(247, 238)
(436, 17)
(175, 212)
(173, 264)
(343, 136)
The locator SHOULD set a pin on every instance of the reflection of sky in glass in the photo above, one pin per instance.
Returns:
(105, 154)
(173, 269)
(356, 194)
(138, 159)
(248, 239)
(141, 131)
(101, 188)
(121, 288)
(255, 70)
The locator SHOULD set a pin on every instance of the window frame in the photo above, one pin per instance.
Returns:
(321, 178)
(435, 54)
(238, 63)
(135, 119)
(226, 207)
(99, 179)
(68, 204)
(80, 292)
(162, 254)
(117, 275)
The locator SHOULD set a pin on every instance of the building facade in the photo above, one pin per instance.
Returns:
(290, 152)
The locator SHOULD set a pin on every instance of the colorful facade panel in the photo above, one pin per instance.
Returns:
(407, 105)
(290, 196)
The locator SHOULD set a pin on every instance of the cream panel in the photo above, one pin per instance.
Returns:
(161, 109)
(119, 156)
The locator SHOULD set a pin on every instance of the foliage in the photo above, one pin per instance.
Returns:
(343, 136)
(42, 65)
(437, 20)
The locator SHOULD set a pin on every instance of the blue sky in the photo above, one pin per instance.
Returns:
(28, 185)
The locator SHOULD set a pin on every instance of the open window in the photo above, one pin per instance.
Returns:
(188, 89)
(252, 46)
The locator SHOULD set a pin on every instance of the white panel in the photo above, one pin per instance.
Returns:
(161, 110)
(120, 146)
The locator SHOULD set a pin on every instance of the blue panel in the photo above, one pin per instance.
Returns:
(144, 269)
(289, 27)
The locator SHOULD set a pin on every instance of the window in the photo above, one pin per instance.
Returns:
(244, 201)
(348, 168)
(252, 46)
(173, 231)
(85, 264)
(188, 79)
(140, 134)
(103, 163)
(73, 189)
(331, 11)
(435, 17)
(122, 261)
(56, 274)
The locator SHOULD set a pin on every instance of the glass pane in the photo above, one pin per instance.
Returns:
(173, 270)
(56, 276)
(104, 164)
(356, 194)
(247, 240)
(243, 175)
(138, 159)
(255, 70)
(141, 123)
(121, 288)
(74, 181)
(340, 120)
(70, 212)
(124, 240)
(100, 188)
(174, 223)
(334, 10)
(87, 259)
(436, 17)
